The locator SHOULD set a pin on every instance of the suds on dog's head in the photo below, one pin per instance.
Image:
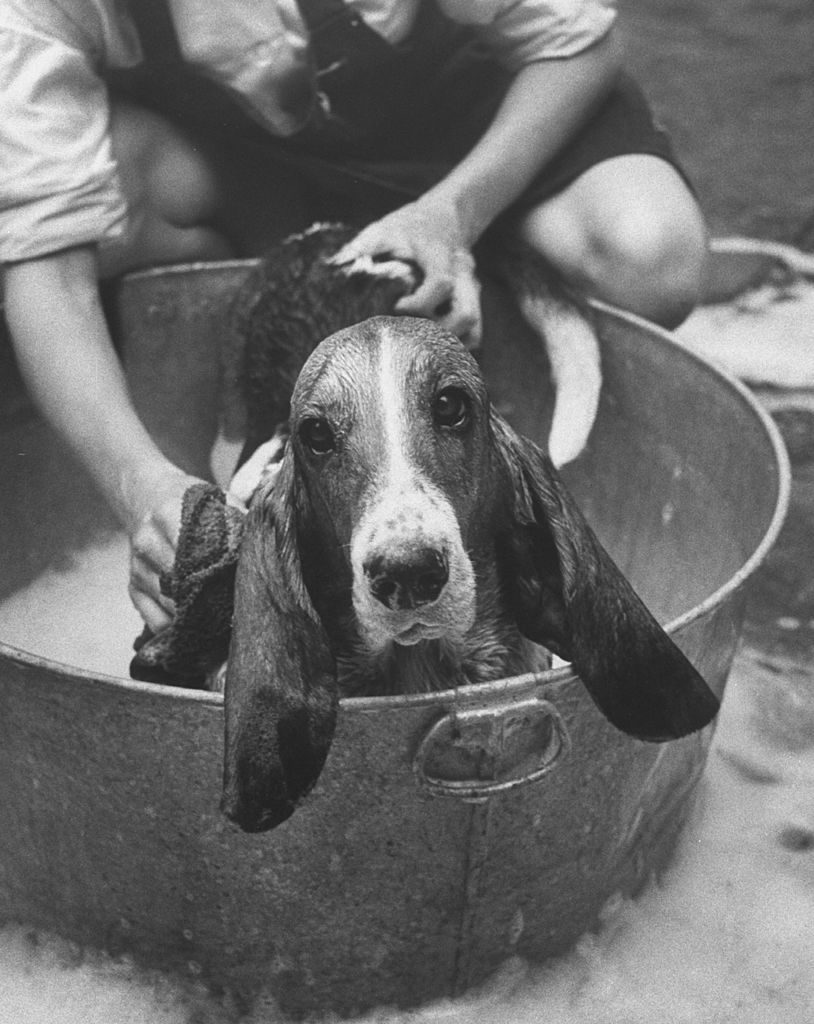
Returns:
(293, 300)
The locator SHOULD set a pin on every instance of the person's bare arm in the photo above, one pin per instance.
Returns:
(67, 359)
(545, 105)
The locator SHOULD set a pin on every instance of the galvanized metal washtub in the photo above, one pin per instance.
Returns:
(448, 831)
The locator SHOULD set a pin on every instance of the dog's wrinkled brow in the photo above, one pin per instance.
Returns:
(332, 381)
(350, 363)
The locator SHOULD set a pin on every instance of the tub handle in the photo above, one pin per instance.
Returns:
(475, 753)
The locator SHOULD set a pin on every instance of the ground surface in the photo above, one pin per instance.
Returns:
(728, 938)
(733, 80)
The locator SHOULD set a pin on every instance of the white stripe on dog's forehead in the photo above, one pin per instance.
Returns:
(405, 492)
(393, 405)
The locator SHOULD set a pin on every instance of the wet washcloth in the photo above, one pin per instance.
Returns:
(201, 583)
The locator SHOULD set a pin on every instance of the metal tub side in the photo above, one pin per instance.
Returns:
(447, 831)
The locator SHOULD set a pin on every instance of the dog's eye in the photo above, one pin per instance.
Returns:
(317, 435)
(451, 407)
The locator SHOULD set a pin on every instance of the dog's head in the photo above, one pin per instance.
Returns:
(402, 496)
(390, 438)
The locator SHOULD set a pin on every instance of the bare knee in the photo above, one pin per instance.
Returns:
(652, 266)
(182, 188)
(170, 190)
(641, 248)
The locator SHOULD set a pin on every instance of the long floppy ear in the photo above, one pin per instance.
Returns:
(281, 691)
(567, 593)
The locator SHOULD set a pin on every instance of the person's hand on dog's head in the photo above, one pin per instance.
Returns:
(427, 234)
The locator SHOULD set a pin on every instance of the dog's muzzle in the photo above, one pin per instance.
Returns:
(412, 577)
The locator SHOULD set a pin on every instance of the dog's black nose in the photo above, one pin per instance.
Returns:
(409, 580)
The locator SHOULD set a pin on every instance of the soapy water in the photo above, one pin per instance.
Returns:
(726, 935)
(765, 336)
(82, 616)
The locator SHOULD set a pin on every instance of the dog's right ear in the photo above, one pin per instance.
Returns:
(281, 692)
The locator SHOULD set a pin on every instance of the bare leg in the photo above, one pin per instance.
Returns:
(189, 201)
(627, 231)
(171, 194)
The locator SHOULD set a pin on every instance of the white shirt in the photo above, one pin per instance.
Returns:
(58, 180)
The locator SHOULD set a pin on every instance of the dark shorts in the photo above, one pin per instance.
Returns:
(623, 125)
(409, 154)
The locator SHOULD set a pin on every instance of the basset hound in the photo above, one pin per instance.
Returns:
(410, 540)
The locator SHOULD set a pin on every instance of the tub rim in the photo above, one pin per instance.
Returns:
(508, 686)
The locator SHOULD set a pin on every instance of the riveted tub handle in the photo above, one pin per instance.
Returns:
(475, 753)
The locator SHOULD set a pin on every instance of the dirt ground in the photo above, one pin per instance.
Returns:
(733, 80)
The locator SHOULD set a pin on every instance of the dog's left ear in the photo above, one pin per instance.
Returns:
(281, 692)
(567, 593)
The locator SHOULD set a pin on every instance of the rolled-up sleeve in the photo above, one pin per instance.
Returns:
(522, 31)
(58, 180)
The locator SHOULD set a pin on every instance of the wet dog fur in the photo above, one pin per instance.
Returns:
(411, 540)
